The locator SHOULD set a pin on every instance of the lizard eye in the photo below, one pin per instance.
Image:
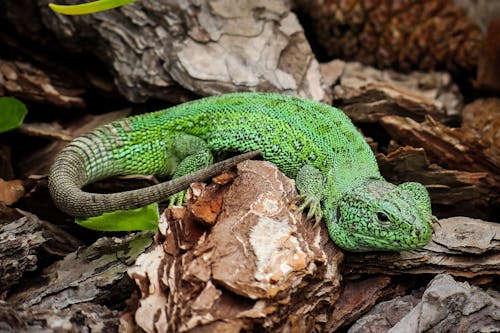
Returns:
(382, 217)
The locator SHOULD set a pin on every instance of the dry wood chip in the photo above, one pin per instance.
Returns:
(11, 191)
(366, 94)
(260, 265)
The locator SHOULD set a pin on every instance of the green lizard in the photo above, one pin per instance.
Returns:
(335, 170)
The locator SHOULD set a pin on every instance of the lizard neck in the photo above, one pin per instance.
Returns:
(340, 181)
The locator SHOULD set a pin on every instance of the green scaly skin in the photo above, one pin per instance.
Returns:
(335, 170)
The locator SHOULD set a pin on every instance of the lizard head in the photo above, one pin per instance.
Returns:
(380, 216)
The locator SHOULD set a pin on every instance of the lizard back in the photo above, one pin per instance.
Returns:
(289, 131)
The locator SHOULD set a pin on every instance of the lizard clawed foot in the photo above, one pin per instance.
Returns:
(177, 199)
(314, 208)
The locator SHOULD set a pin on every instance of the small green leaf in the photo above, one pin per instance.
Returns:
(12, 112)
(144, 218)
(89, 7)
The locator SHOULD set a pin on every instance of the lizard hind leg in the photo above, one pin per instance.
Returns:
(310, 183)
(193, 154)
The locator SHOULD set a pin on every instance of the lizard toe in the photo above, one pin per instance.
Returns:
(177, 199)
(313, 204)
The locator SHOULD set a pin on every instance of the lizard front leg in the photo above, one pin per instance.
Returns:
(310, 183)
(192, 154)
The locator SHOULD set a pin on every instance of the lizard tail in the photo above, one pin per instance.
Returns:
(67, 176)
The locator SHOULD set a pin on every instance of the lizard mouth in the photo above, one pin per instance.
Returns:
(368, 243)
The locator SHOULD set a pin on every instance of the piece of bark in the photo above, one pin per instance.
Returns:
(366, 94)
(84, 317)
(357, 297)
(259, 267)
(460, 246)
(37, 46)
(46, 130)
(452, 148)
(450, 306)
(384, 315)
(11, 191)
(10, 319)
(25, 81)
(483, 118)
(8, 214)
(23, 242)
(452, 192)
(166, 49)
(96, 273)
(19, 243)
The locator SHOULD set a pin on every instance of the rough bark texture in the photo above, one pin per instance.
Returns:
(449, 147)
(261, 267)
(359, 296)
(11, 191)
(84, 317)
(96, 273)
(453, 192)
(23, 80)
(166, 49)
(445, 306)
(385, 315)
(366, 94)
(483, 118)
(23, 242)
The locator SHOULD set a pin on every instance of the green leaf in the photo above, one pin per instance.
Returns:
(12, 112)
(89, 7)
(144, 218)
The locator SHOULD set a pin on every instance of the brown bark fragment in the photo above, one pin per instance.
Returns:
(359, 296)
(45, 130)
(260, 266)
(11, 191)
(452, 148)
(366, 94)
(483, 118)
(23, 241)
(385, 315)
(207, 203)
(25, 81)
(452, 192)
(445, 306)
(85, 317)
(173, 49)
(96, 273)
(450, 306)
(19, 244)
